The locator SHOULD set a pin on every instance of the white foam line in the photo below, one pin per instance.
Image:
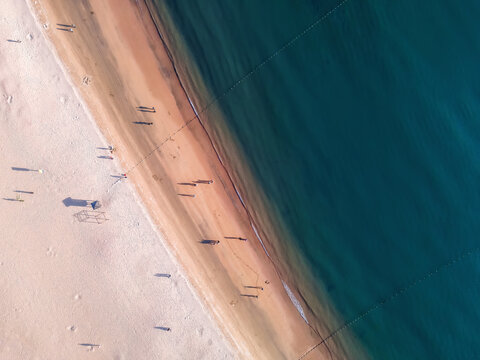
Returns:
(260, 239)
(295, 301)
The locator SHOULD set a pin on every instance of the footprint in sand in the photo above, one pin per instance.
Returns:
(156, 178)
(72, 328)
(77, 297)
(29, 37)
(51, 252)
(63, 100)
(8, 98)
(86, 80)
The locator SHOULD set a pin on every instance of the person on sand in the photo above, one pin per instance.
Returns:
(95, 204)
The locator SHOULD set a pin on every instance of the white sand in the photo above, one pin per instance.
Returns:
(64, 282)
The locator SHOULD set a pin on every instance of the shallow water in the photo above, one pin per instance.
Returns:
(363, 134)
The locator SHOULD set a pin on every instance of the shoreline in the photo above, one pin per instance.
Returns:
(105, 125)
(289, 292)
(304, 302)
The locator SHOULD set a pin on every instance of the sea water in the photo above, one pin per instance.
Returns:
(360, 122)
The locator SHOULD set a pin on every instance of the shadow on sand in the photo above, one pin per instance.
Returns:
(187, 184)
(75, 202)
(250, 296)
(187, 195)
(24, 192)
(89, 345)
(21, 169)
(209, 242)
(90, 216)
(162, 275)
(162, 328)
(235, 238)
(253, 287)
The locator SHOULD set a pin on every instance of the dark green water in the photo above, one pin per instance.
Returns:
(364, 136)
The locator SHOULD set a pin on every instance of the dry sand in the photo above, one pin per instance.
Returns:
(63, 282)
(116, 61)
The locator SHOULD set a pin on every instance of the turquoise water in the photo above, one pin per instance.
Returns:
(364, 136)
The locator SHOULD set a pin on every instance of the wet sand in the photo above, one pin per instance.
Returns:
(117, 63)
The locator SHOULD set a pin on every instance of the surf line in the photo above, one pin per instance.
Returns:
(400, 291)
(290, 294)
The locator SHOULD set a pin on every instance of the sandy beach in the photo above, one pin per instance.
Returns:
(75, 286)
(72, 279)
